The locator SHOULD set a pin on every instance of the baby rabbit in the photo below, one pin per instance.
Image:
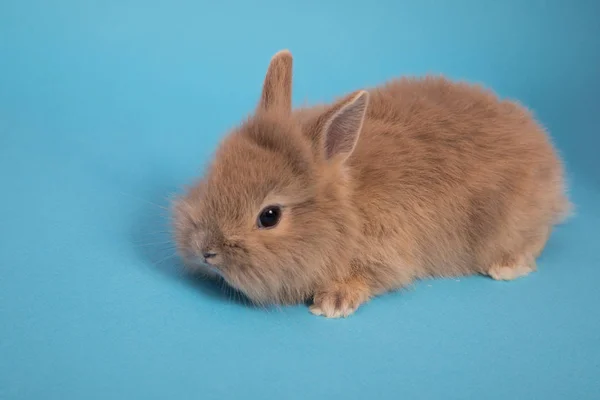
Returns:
(339, 203)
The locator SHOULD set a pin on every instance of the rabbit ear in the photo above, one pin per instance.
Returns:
(342, 128)
(277, 88)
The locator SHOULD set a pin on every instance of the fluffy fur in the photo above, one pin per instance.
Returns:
(415, 178)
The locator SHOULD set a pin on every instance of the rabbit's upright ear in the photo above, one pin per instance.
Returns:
(277, 88)
(342, 125)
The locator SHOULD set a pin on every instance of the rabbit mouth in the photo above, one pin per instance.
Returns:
(214, 270)
(200, 265)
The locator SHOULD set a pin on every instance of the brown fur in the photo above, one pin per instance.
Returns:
(416, 178)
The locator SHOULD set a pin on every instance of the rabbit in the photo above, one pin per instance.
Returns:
(337, 203)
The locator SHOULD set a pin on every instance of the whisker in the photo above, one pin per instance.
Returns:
(223, 288)
(159, 233)
(166, 258)
(145, 201)
(154, 244)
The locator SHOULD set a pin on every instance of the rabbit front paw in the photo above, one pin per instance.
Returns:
(340, 300)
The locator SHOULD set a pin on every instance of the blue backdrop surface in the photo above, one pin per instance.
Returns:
(109, 107)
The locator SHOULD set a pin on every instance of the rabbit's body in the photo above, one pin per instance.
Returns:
(417, 178)
(448, 180)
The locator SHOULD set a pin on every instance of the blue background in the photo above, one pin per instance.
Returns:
(108, 107)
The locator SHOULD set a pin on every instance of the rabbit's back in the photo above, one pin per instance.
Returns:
(453, 177)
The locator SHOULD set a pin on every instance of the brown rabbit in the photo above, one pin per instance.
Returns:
(338, 203)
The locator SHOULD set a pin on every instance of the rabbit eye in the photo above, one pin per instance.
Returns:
(269, 217)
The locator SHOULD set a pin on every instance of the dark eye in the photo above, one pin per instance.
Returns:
(269, 217)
